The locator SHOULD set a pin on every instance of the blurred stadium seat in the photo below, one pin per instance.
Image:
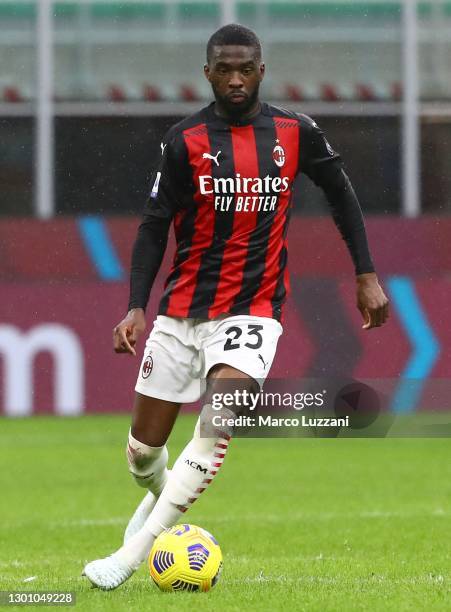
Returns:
(331, 43)
(340, 61)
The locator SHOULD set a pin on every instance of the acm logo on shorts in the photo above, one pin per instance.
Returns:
(147, 367)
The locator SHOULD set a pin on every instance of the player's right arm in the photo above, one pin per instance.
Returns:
(149, 247)
(147, 255)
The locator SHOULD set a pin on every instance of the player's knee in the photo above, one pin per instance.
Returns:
(226, 378)
(146, 463)
(231, 390)
(213, 427)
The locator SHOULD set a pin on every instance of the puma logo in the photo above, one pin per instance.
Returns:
(265, 363)
(212, 157)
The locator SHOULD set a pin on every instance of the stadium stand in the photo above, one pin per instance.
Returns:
(96, 41)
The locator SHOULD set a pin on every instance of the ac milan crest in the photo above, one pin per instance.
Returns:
(147, 367)
(278, 155)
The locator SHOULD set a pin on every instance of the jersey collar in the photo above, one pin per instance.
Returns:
(223, 121)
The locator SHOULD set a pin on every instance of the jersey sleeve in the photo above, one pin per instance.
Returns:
(323, 166)
(316, 154)
(167, 187)
(166, 183)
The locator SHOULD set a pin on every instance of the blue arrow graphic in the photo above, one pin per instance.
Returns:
(100, 247)
(425, 345)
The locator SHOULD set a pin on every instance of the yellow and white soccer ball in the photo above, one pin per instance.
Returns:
(185, 558)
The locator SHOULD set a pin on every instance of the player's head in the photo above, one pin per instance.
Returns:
(234, 67)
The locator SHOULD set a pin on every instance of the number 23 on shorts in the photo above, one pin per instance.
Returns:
(253, 337)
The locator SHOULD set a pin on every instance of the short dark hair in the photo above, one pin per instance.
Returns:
(234, 34)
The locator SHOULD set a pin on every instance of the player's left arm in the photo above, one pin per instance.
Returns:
(323, 165)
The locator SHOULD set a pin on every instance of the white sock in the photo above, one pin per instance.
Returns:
(147, 464)
(193, 471)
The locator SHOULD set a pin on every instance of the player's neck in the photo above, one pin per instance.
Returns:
(235, 118)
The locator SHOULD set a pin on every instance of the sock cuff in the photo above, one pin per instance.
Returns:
(142, 448)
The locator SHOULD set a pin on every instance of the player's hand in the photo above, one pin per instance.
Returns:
(126, 334)
(371, 301)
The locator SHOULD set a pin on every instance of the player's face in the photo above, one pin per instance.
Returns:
(235, 73)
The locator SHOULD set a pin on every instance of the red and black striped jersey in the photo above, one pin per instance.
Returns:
(228, 189)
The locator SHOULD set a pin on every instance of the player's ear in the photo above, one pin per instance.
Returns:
(207, 71)
(262, 70)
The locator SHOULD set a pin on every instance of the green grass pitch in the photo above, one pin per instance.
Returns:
(303, 524)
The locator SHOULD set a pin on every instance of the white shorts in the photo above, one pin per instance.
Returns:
(179, 353)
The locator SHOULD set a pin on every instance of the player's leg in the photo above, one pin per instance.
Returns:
(147, 455)
(153, 419)
(164, 382)
(194, 469)
(191, 474)
(202, 457)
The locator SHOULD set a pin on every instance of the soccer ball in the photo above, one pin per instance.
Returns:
(185, 558)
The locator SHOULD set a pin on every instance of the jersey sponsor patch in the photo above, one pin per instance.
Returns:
(154, 192)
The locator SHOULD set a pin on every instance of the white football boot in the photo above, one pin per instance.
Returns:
(109, 573)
